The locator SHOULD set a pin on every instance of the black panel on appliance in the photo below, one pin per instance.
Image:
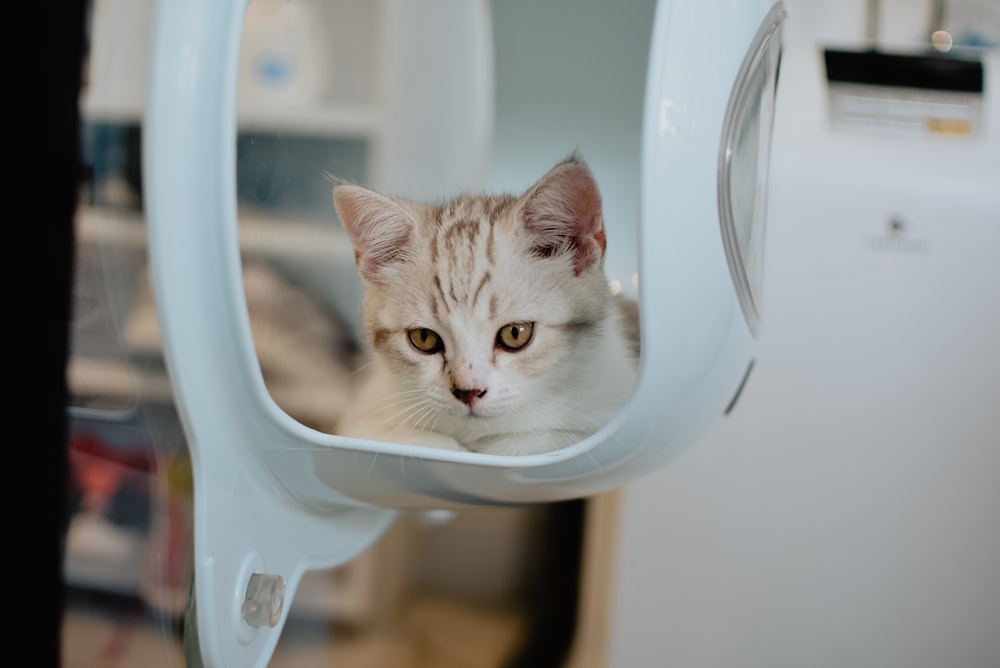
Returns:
(930, 71)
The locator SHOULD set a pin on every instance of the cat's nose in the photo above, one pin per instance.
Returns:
(468, 397)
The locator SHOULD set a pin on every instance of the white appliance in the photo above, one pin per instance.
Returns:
(845, 513)
(273, 497)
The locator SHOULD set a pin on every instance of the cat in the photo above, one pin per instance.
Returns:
(488, 319)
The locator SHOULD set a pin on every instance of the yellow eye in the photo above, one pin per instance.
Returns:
(515, 335)
(425, 340)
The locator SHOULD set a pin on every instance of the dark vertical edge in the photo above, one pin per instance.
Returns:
(553, 594)
(49, 138)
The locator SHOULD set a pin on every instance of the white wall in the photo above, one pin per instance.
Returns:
(846, 513)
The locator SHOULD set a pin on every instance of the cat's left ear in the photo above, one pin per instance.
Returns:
(379, 227)
(563, 211)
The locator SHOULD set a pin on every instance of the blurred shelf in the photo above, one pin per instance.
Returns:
(310, 258)
(259, 233)
(349, 120)
(100, 555)
(301, 239)
(116, 381)
(117, 227)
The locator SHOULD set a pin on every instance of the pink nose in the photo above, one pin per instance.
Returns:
(468, 397)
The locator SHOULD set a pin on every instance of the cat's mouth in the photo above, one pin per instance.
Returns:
(475, 413)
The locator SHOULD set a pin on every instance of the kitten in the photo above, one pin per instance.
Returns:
(488, 319)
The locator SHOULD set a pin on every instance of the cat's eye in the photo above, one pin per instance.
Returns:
(425, 340)
(515, 335)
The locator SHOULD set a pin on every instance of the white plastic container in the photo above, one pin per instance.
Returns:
(274, 497)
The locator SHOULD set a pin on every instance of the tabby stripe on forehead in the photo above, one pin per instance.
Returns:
(449, 298)
(482, 283)
(440, 289)
(462, 236)
(468, 229)
(435, 306)
(489, 243)
(498, 206)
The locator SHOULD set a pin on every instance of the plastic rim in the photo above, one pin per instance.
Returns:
(749, 116)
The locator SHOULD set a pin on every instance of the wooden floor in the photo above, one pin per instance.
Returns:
(432, 632)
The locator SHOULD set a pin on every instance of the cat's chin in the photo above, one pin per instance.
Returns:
(478, 415)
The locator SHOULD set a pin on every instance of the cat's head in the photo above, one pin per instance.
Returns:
(485, 309)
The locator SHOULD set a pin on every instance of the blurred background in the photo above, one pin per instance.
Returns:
(843, 514)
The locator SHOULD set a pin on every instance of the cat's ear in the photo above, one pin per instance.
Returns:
(563, 212)
(379, 227)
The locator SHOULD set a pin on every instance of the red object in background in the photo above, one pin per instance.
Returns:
(99, 471)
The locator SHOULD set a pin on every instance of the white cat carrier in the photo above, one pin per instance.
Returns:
(274, 497)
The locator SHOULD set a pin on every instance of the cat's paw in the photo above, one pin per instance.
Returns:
(526, 443)
(429, 439)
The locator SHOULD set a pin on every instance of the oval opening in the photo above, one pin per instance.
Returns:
(474, 287)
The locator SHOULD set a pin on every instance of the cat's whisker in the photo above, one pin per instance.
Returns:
(586, 421)
(588, 425)
(429, 411)
(437, 418)
(556, 415)
(413, 410)
(371, 466)
(592, 425)
(556, 419)
(403, 405)
(406, 413)
(597, 467)
(403, 394)
(356, 372)
(415, 413)
(405, 399)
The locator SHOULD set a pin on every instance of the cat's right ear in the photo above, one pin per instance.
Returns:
(563, 212)
(380, 228)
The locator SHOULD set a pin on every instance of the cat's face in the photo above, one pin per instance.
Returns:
(482, 307)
